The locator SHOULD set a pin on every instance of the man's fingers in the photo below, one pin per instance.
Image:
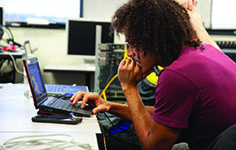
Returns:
(190, 5)
(123, 62)
(72, 98)
(85, 100)
(76, 97)
(100, 108)
(195, 2)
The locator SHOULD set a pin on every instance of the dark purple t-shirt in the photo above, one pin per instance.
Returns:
(197, 94)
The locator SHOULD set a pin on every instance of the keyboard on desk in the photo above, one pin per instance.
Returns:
(55, 88)
(226, 44)
(229, 48)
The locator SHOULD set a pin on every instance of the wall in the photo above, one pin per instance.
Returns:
(101, 9)
(51, 44)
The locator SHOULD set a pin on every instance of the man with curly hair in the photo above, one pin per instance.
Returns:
(195, 94)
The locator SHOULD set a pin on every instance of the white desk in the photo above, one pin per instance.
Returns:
(15, 117)
(17, 54)
(66, 67)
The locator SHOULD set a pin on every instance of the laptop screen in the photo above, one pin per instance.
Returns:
(36, 79)
(36, 83)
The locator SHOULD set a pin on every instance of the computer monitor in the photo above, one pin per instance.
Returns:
(1, 22)
(82, 36)
(218, 16)
(1, 16)
(223, 14)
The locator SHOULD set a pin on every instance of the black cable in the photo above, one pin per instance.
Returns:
(11, 40)
(9, 32)
(116, 130)
(113, 125)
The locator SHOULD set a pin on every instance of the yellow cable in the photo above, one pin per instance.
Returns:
(108, 84)
(103, 94)
(152, 77)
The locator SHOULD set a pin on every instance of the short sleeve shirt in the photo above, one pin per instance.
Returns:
(197, 94)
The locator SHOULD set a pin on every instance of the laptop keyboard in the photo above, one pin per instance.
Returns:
(64, 105)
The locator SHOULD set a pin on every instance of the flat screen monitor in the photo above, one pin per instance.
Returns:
(82, 35)
(218, 16)
(1, 16)
(223, 14)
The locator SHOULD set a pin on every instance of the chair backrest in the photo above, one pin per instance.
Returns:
(226, 140)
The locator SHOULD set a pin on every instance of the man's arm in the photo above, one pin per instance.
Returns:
(202, 34)
(151, 135)
(123, 111)
(188, 4)
(100, 105)
(196, 21)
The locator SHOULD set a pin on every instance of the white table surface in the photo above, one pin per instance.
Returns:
(69, 67)
(15, 119)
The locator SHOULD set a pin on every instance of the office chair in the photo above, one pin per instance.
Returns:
(226, 140)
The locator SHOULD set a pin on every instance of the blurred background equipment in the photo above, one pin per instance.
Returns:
(108, 59)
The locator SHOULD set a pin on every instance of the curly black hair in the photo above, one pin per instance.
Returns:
(160, 27)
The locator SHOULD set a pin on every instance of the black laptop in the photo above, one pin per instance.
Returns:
(49, 104)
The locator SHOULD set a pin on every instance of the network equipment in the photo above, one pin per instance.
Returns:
(229, 48)
(108, 58)
(226, 44)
